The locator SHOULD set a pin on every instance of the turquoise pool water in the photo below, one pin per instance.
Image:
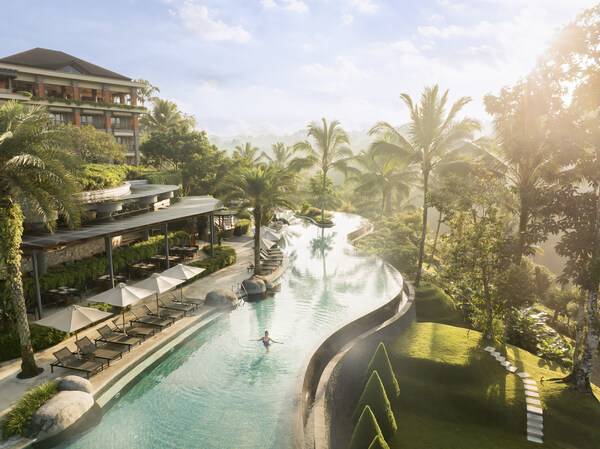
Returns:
(221, 391)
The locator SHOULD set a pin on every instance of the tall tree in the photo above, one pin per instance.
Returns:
(165, 116)
(285, 158)
(573, 65)
(328, 151)
(433, 137)
(386, 175)
(246, 155)
(262, 187)
(34, 173)
(522, 153)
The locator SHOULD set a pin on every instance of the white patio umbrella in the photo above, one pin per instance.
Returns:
(182, 272)
(73, 318)
(159, 284)
(122, 295)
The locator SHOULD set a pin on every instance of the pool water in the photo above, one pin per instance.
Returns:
(220, 390)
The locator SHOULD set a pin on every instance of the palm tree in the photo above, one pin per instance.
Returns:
(330, 151)
(34, 174)
(262, 187)
(165, 116)
(247, 155)
(285, 158)
(522, 153)
(385, 174)
(433, 138)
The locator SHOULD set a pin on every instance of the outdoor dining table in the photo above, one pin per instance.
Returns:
(161, 258)
(64, 294)
(186, 251)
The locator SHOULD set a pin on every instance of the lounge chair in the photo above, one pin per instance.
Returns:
(66, 359)
(180, 307)
(151, 320)
(89, 350)
(143, 331)
(165, 313)
(184, 300)
(107, 335)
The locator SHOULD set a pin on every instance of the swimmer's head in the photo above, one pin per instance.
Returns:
(266, 332)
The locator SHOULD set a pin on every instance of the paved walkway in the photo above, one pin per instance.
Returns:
(535, 411)
(11, 388)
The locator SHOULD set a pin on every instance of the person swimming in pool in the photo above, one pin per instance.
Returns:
(267, 340)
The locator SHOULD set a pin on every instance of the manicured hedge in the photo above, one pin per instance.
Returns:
(102, 176)
(18, 419)
(378, 443)
(41, 338)
(241, 227)
(381, 363)
(224, 256)
(374, 395)
(365, 430)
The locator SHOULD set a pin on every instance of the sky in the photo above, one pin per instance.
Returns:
(257, 67)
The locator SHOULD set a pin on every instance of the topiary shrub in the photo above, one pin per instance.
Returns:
(241, 227)
(224, 256)
(380, 362)
(378, 443)
(365, 431)
(19, 417)
(374, 395)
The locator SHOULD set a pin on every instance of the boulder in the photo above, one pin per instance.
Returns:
(75, 383)
(59, 413)
(221, 298)
(255, 286)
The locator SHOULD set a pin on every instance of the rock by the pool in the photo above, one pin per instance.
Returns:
(221, 298)
(75, 383)
(60, 412)
(255, 286)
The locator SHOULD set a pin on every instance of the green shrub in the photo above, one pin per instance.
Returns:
(381, 363)
(241, 227)
(41, 338)
(19, 417)
(378, 443)
(244, 214)
(101, 176)
(101, 306)
(224, 256)
(374, 395)
(365, 431)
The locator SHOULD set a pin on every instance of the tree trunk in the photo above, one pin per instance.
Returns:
(11, 225)
(435, 240)
(257, 226)
(488, 332)
(523, 219)
(323, 187)
(582, 365)
(423, 230)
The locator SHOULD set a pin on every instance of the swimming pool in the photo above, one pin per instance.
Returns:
(219, 390)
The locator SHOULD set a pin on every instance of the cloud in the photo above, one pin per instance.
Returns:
(197, 18)
(365, 6)
(290, 5)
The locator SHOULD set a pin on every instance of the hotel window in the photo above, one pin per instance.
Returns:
(93, 120)
(120, 122)
(127, 142)
(61, 118)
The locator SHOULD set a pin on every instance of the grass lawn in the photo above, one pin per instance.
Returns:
(434, 305)
(456, 396)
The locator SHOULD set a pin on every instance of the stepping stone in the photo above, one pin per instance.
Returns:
(490, 349)
(529, 387)
(535, 432)
(495, 354)
(535, 410)
(535, 425)
(533, 401)
(524, 375)
(528, 381)
(534, 418)
(535, 439)
(505, 363)
(532, 394)
(512, 369)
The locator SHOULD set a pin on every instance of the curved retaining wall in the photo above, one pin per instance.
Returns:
(309, 396)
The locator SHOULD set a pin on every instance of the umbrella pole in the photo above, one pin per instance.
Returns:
(123, 311)
(157, 308)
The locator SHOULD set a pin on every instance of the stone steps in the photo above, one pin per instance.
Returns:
(535, 412)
